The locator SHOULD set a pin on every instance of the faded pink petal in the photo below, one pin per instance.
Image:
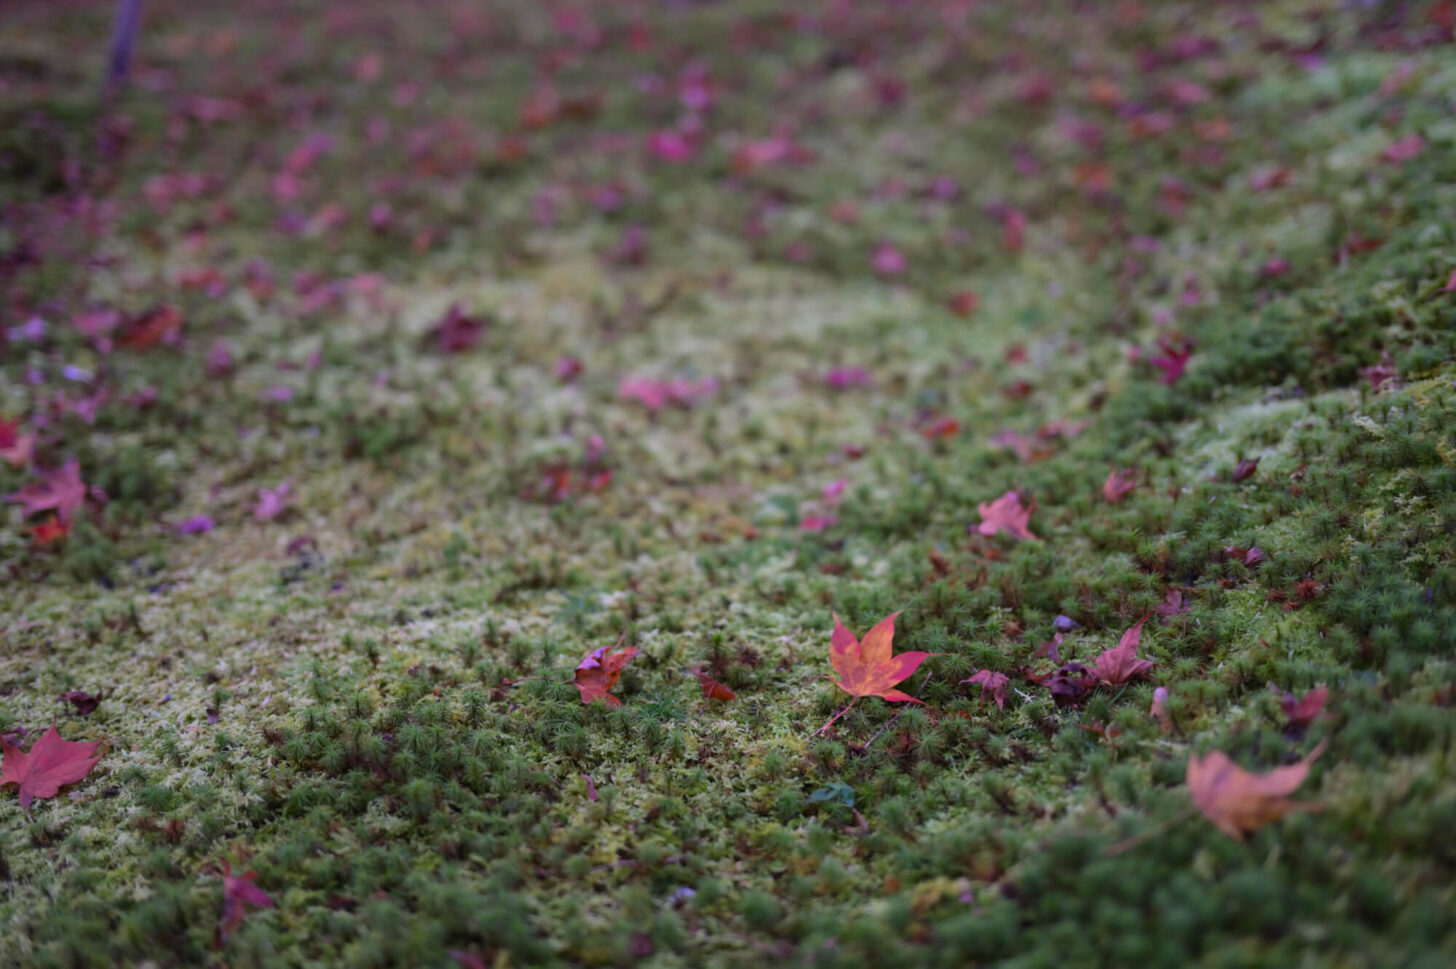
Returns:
(888, 261)
(272, 502)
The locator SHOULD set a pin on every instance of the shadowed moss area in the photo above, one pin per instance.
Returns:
(367, 700)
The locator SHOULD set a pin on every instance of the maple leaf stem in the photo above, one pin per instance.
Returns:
(836, 717)
(891, 723)
(1132, 842)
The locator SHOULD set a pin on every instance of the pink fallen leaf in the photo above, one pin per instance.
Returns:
(50, 764)
(1172, 605)
(568, 369)
(657, 394)
(1013, 231)
(1172, 361)
(272, 502)
(238, 893)
(993, 683)
(1384, 375)
(1119, 484)
(1120, 664)
(1006, 514)
(888, 261)
(670, 146)
(16, 449)
(60, 490)
(456, 332)
(1403, 149)
(843, 378)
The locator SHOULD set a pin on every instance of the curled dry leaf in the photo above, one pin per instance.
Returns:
(600, 671)
(1238, 801)
(712, 689)
(85, 703)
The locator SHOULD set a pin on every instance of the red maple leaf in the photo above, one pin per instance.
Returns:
(238, 892)
(941, 428)
(84, 702)
(1245, 469)
(456, 332)
(1384, 375)
(712, 689)
(869, 667)
(49, 531)
(60, 489)
(600, 671)
(151, 328)
(1069, 683)
(1006, 514)
(1173, 361)
(1119, 484)
(1172, 605)
(1302, 712)
(51, 764)
(1120, 664)
(992, 683)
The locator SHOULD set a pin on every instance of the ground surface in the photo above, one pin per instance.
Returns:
(761, 295)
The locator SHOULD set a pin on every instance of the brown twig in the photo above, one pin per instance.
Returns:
(1137, 839)
(835, 717)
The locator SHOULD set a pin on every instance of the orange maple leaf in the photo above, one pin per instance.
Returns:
(1238, 801)
(868, 667)
(600, 671)
(51, 764)
(712, 689)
